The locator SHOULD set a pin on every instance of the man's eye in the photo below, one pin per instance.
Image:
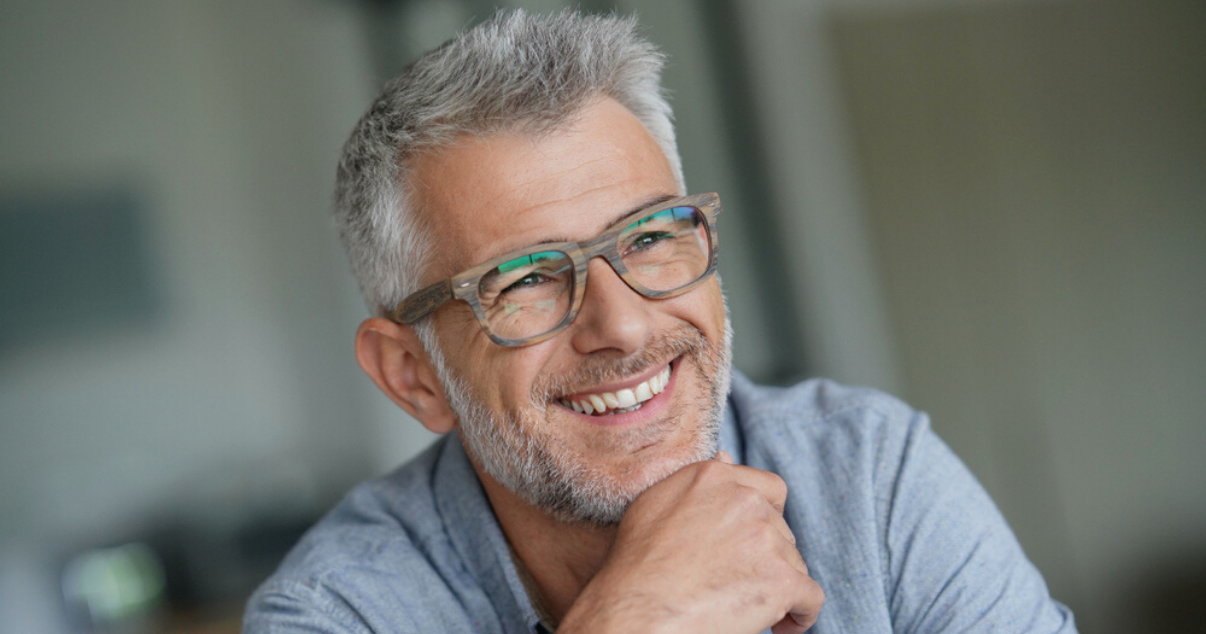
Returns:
(531, 279)
(647, 239)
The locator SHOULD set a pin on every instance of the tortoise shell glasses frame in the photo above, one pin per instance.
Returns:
(466, 285)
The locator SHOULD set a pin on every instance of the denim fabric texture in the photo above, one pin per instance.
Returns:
(894, 528)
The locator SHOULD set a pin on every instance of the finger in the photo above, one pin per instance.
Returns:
(723, 456)
(788, 626)
(785, 531)
(809, 600)
(804, 607)
(792, 556)
(757, 508)
(772, 487)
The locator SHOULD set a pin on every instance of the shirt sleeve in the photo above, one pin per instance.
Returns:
(302, 610)
(954, 563)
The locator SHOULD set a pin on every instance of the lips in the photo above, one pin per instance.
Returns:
(620, 401)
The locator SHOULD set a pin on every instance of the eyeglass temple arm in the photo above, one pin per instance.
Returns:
(422, 303)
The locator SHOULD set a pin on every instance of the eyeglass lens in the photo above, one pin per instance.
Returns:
(532, 294)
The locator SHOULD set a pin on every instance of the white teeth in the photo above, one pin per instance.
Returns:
(625, 400)
(658, 383)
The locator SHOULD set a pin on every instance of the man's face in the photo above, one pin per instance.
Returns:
(487, 196)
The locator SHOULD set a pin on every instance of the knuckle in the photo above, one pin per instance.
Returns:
(787, 574)
(794, 576)
(763, 538)
(808, 588)
(749, 499)
(774, 488)
(779, 576)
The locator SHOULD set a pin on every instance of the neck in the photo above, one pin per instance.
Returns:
(560, 558)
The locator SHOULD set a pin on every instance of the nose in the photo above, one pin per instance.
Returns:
(613, 317)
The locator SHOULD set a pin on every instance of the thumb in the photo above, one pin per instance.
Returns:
(723, 456)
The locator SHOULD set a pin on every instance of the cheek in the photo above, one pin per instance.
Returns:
(466, 349)
(501, 377)
(715, 300)
(702, 308)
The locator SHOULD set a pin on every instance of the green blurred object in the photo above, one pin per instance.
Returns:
(115, 584)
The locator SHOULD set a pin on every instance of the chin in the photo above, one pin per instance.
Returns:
(585, 470)
(598, 495)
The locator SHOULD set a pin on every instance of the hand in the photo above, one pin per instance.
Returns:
(705, 550)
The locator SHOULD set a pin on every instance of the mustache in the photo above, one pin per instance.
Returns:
(598, 369)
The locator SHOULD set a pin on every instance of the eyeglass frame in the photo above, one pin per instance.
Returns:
(466, 284)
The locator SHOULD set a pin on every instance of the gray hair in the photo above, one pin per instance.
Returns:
(516, 71)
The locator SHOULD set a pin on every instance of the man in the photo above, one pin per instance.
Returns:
(514, 208)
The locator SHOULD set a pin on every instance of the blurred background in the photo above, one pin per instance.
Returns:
(995, 209)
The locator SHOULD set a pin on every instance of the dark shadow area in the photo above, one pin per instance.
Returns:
(1170, 597)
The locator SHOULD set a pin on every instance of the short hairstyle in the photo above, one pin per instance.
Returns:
(516, 71)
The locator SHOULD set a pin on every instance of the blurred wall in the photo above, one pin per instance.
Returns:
(239, 394)
(1035, 178)
(1000, 214)
(225, 119)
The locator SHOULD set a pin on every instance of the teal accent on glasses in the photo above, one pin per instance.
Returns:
(479, 286)
(528, 260)
(679, 213)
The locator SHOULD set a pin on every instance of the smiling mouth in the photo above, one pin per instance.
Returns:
(621, 401)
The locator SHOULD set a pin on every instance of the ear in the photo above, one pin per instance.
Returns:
(394, 358)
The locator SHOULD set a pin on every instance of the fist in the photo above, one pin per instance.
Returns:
(706, 550)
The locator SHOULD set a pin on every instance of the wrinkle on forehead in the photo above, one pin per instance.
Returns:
(485, 195)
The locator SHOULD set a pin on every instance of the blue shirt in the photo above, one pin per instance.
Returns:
(892, 526)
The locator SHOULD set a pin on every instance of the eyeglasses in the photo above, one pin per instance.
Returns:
(530, 295)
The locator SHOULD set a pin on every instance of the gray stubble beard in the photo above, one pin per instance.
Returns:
(558, 480)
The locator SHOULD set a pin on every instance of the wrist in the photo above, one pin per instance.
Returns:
(601, 609)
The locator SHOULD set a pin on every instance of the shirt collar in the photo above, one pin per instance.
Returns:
(478, 539)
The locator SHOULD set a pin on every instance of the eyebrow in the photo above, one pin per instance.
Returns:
(656, 200)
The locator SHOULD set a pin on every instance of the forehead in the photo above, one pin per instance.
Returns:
(486, 195)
